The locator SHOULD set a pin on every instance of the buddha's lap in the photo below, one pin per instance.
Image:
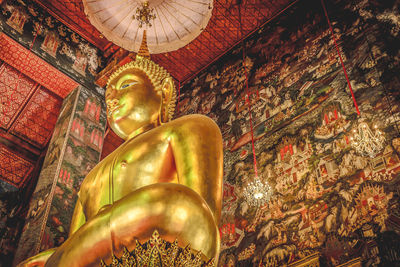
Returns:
(173, 210)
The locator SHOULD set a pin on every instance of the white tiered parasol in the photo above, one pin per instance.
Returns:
(174, 23)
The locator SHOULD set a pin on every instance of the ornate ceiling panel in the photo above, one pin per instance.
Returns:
(231, 21)
(14, 169)
(37, 120)
(28, 110)
(225, 29)
(14, 91)
(34, 67)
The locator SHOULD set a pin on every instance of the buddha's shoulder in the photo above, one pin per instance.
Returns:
(193, 122)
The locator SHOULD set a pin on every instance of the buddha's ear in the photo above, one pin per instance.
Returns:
(167, 95)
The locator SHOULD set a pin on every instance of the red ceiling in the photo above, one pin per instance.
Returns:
(13, 168)
(37, 120)
(222, 32)
(28, 110)
(13, 92)
(34, 67)
(31, 94)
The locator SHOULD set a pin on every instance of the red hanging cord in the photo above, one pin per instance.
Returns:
(34, 38)
(248, 95)
(250, 116)
(340, 57)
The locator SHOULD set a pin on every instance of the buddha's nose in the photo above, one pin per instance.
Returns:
(111, 92)
(111, 103)
(110, 97)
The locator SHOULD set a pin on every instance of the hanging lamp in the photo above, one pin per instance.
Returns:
(365, 141)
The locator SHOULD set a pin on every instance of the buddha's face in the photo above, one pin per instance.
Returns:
(132, 102)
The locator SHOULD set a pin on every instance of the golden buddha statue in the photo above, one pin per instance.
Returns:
(166, 176)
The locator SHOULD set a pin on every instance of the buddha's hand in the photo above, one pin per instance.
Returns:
(37, 260)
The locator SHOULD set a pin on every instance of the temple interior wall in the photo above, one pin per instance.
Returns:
(329, 202)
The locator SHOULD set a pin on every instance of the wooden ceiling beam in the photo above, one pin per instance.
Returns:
(21, 147)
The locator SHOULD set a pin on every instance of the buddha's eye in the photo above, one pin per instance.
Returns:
(125, 85)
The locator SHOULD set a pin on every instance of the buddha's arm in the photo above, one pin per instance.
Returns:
(78, 218)
(197, 150)
(38, 260)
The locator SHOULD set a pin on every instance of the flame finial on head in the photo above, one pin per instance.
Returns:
(154, 72)
(144, 50)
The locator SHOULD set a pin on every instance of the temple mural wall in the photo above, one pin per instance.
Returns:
(35, 29)
(28, 24)
(330, 204)
(11, 222)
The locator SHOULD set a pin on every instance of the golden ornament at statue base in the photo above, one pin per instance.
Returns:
(157, 253)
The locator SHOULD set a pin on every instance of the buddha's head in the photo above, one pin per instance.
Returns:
(139, 94)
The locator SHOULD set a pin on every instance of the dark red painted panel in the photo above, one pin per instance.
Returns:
(37, 120)
(13, 168)
(34, 67)
(15, 89)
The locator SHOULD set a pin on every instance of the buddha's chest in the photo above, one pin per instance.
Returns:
(138, 164)
(133, 165)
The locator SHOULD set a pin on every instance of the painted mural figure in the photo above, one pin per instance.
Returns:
(303, 116)
(17, 19)
(51, 43)
(80, 62)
